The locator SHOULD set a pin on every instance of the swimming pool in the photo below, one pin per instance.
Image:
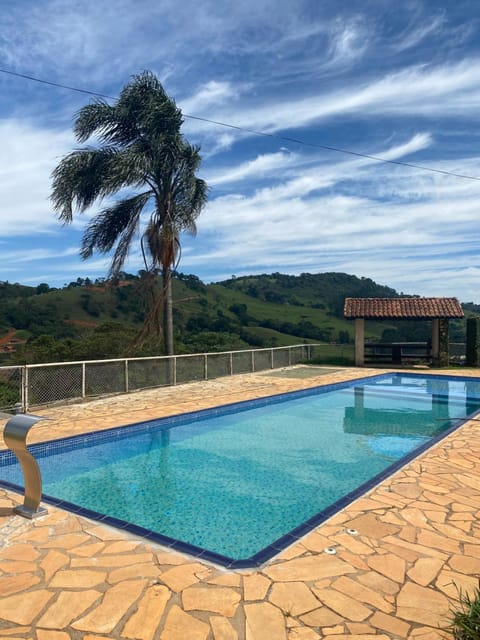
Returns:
(236, 484)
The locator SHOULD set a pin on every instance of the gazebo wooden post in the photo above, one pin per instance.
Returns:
(359, 342)
(443, 346)
(435, 341)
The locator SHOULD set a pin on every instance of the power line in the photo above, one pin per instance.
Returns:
(258, 133)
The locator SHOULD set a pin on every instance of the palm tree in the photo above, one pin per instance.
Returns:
(141, 155)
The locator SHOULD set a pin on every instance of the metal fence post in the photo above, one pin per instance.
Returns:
(126, 375)
(253, 361)
(231, 363)
(205, 366)
(84, 380)
(26, 390)
(174, 370)
(22, 388)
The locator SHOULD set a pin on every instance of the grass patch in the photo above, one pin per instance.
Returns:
(466, 618)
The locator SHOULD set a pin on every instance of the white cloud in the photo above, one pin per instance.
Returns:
(28, 156)
(264, 165)
(433, 91)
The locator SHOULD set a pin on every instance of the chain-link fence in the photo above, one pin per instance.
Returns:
(40, 384)
(56, 382)
(11, 387)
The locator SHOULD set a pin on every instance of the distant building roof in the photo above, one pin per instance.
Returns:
(402, 308)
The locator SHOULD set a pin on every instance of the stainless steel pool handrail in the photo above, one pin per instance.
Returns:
(15, 436)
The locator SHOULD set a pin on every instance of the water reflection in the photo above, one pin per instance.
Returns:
(405, 406)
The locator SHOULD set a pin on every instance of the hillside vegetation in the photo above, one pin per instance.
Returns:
(94, 320)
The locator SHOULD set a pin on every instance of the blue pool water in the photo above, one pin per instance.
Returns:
(237, 483)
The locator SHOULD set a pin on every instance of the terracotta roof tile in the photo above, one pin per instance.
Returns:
(402, 308)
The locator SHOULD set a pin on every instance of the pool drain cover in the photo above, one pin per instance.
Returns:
(330, 550)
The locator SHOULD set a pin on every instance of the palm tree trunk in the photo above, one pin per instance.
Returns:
(167, 311)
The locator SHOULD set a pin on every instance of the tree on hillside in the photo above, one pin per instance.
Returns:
(140, 155)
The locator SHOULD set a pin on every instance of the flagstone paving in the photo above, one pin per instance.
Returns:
(418, 540)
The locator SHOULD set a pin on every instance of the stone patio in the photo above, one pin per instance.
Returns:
(63, 576)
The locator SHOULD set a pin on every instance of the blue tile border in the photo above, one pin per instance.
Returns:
(68, 443)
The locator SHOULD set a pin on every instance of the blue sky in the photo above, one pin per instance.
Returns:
(399, 80)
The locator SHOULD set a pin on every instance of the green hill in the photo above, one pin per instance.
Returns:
(93, 320)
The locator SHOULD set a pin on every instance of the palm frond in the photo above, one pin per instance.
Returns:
(79, 180)
(94, 118)
(114, 225)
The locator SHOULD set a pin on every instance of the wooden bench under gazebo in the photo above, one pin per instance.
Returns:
(438, 310)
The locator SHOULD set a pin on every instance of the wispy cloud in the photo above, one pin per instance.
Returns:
(396, 81)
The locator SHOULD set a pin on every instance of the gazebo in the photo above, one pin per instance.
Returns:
(439, 310)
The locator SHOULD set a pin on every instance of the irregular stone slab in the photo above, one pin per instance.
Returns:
(263, 620)
(379, 582)
(18, 566)
(52, 562)
(362, 593)
(462, 516)
(422, 550)
(303, 633)
(24, 607)
(352, 559)
(69, 579)
(24, 552)
(410, 490)
(422, 605)
(116, 601)
(433, 540)
(469, 480)
(465, 564)
(108, 561)
(321, 617)
(227, 580)
(415, 517)
(315, 542)
(182, 625)
(14, 630)
(371, 526)
(170, 557)
(13, 584)
(149, 570)
(67, 541)
(352, 543)
(121, 546)
(472, 549)
(366, 636)
(391, 624)
(143, 624)
(222, 629)
(389, 565)
(359, 628)
(293, 551)
(449, 582)
(68, 607)
(308, 568)
(43, 634)
(345, 606)
(223, 601)
(69, 524)
(88, 550)
(255, 587)
(294, 598)
(183, 576)
(425, 570)
(104, 533)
